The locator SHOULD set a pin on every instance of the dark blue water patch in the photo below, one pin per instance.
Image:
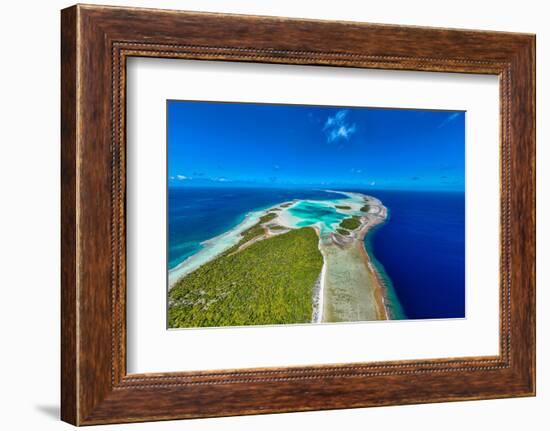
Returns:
(422, 249)
(198, 214)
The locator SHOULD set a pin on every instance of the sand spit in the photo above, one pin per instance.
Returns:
(353, 289)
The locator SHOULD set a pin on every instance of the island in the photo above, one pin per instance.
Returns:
(302, 261)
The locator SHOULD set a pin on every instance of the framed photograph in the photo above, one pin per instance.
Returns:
(266, 215)
(275, 224)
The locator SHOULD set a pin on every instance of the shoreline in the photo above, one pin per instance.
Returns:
(382, 297)
(354, 290)
(379, 286)
(213, 247)
(394, 308)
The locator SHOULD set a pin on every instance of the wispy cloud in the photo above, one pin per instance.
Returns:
(450, 118)
(338, 127)
(182, 177)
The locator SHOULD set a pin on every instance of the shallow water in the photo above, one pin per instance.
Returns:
(322, 214)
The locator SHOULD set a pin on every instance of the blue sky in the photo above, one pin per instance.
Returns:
(237, 144)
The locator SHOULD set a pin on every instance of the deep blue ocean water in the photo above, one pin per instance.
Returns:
(420, 248)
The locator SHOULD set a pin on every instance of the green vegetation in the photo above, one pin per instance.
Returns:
(251, 232)
(343, 231)
(247, 235)
(351, 223)
(277, 227)
(267, 217)
(286, 205)
(269, 282)
(365, 208)
(343, 207)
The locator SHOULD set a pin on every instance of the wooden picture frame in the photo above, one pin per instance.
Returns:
(95, 43)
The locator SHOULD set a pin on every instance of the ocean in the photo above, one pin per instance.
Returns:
(420, 249)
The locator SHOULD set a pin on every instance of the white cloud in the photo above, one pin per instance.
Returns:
(222, 180)
(181, 177)
(337, 119)
(450, 118)
(336, 127)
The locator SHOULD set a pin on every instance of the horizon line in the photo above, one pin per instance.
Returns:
(312, 186)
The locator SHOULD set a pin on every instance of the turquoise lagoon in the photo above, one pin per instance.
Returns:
(322, 214)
